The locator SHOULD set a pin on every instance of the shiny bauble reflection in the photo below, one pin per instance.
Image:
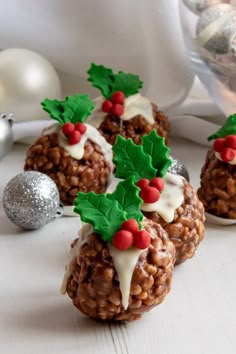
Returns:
(26, 78)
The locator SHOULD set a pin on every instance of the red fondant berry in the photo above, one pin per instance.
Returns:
(230, 141)
(158, 183)
(107, 106)
(118, 97)
(74, 137)
(81, 127)
(227, 154)
(219, 144)
(68, 128)
(117, 109)
(122, 239)
(142, 239)
(130, 225)
(149, 194)
(142, 183)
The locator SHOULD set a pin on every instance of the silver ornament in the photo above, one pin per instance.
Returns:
(197, 6)
(214, 28)
(31, 199)
(6, 135)
(232, 46)
(177, 168)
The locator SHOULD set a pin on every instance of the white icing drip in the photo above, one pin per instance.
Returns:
(138, 104)
(124, 262)
(232, 162)
(77, 151)
(54, 128)
(171, 198)
(74, 252)
(133, 105)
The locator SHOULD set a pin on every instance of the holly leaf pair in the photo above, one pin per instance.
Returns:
(141, 161)
(106, 212)
(73, 109)
(107, 82)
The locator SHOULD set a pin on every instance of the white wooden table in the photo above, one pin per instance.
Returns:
(197, 317)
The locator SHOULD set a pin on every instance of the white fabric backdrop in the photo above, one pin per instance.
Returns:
(139, 36)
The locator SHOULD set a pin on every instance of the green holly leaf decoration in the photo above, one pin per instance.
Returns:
(104, 214)
(129, 84)
(107, 212)
(77, 108)
(131, 160)
(102, 78)
(73, 109)
(155, 146)
(54, 109)
(127, 195)
(228, 128)
(108, 82)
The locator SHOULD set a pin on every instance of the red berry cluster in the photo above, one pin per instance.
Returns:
(73, 132)
(115, 104)
(226, 147)
(150, 191)
(130, 235)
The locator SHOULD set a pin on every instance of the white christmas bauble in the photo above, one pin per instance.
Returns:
(197, 6)
(215, 26)
(26, 78)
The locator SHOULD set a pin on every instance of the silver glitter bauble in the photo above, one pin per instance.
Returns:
(6, 135)
(177, 168)
(197, 6)
(214, 28)
(31, 199)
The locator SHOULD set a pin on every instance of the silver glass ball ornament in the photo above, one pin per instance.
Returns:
(31, 199)
(6, 135)
(177, 168)
(214, 28)
(197, 6)
(232, 47)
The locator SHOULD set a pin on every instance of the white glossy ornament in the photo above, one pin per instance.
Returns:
(6, 134)
(26, 78)
(197, 6)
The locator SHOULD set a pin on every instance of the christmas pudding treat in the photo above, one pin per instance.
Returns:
(72, 153)
(122, 109)
(168, 199)
(122, 263)
(218, 175)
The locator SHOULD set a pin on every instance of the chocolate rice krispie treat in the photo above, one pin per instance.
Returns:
(122, 264)
(218, 175)
(72, 153)
(122, 110)
(168, 199)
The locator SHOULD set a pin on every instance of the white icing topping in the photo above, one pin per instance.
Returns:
(171, 198)
(124, 262)
(77, 151)
(133, 105)
(232, 162)
(138, 104)
(86, 230)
